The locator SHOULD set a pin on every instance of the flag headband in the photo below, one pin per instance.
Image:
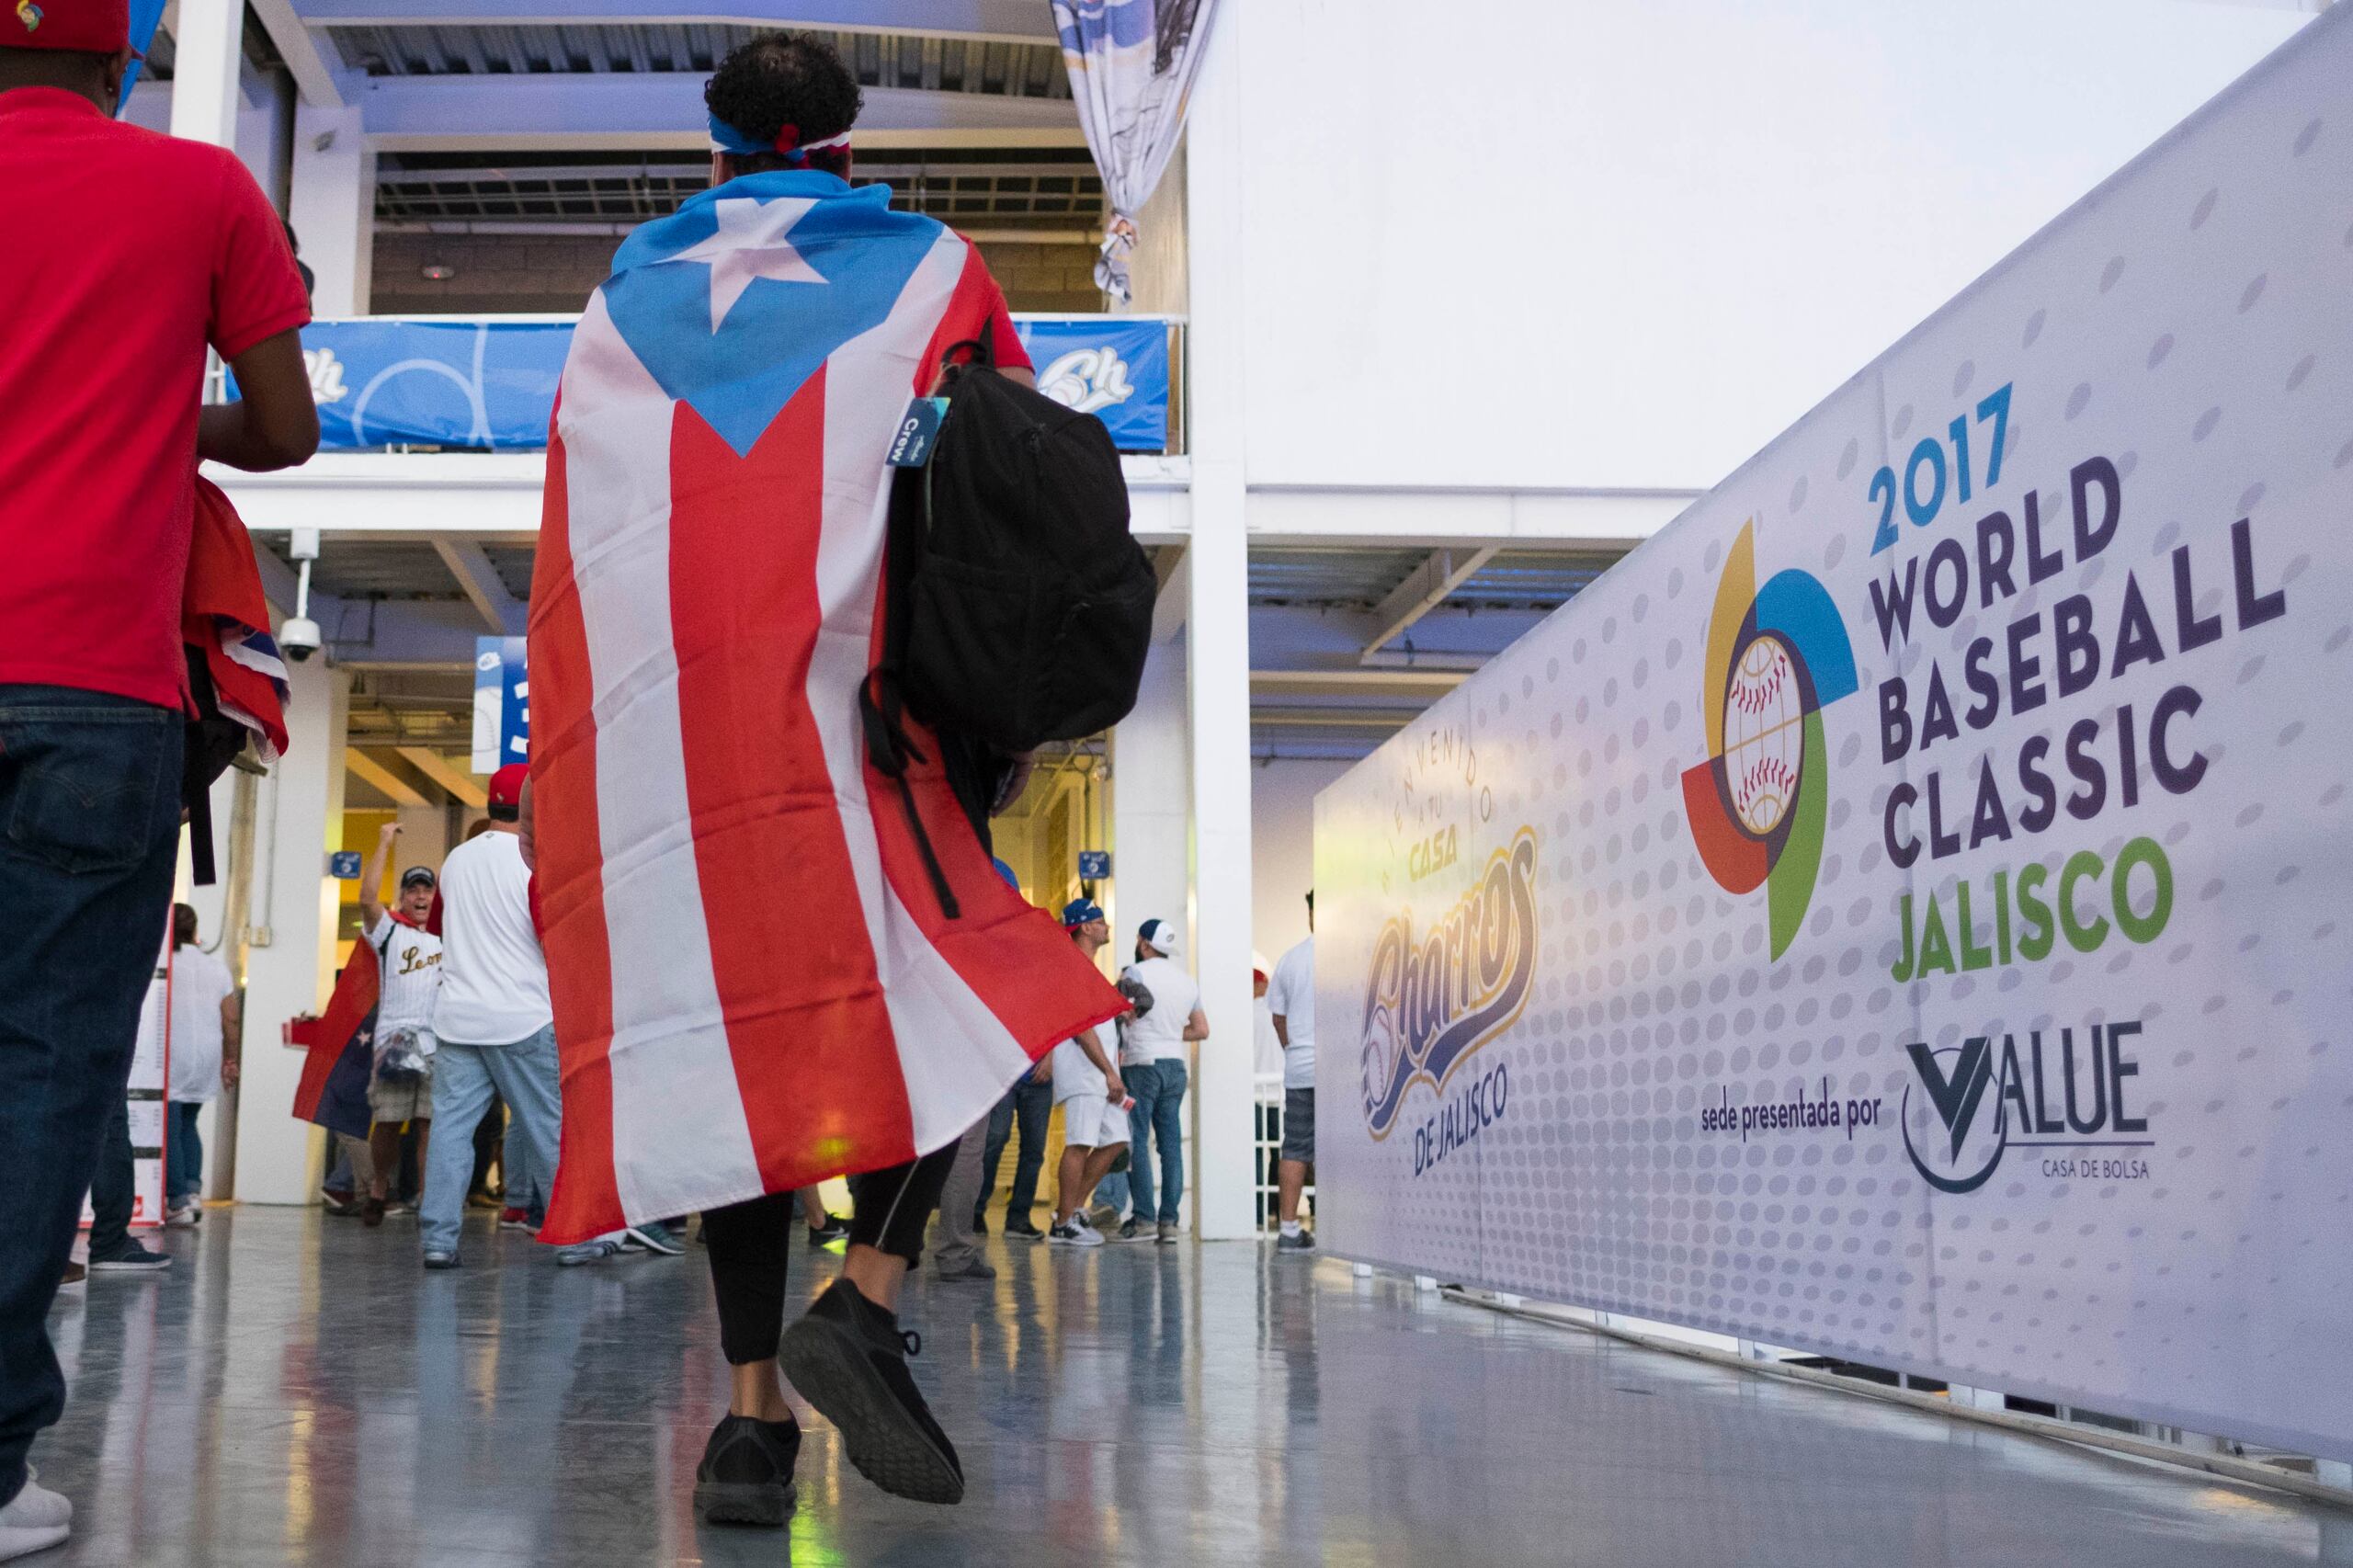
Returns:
(725, 137)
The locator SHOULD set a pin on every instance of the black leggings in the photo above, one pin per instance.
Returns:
(750, 1243)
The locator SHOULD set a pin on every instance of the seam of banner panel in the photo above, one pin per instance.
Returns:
(665, 1078)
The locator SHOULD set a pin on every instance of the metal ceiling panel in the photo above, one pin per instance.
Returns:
(878, 59)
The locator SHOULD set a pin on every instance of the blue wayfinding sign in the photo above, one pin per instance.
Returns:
(1094, 864)
(344, 865)
(491, 384)
(502, 704)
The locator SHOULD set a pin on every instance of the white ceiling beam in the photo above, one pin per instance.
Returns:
(1336, 515)
(1010, 21)
(462, 786)
(1424, 589)
(469, 564)
(661, 110)
(1425, 684)
(399, 790)
(309, 57)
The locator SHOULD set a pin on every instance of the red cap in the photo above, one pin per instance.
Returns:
(507, 784)
(91, 27)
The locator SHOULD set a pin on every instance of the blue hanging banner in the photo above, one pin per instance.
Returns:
(1115, 368)
(502, 704)
(491, 384)
(484, 384)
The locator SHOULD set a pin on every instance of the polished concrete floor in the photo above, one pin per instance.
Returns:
(296, 1390)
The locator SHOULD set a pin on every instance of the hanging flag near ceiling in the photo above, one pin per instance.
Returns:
(1131, 65)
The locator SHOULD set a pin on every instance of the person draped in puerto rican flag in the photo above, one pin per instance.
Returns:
(755, 984)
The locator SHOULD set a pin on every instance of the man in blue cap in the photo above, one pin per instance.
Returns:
(1094, 1102)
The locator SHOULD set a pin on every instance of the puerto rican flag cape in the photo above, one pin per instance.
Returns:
(754, 987)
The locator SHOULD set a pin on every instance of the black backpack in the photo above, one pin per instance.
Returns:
(1019, 607)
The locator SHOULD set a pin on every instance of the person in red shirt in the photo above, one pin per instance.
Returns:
(129, 255)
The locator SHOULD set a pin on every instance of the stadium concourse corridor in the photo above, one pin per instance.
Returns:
(296, 1390)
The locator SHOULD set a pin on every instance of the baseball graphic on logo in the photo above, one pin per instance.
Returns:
(1763, 745)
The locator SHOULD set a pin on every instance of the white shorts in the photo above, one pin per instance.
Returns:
(1092, 1121)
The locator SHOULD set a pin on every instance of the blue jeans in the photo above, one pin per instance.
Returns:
(1033, 1103)
(89, 826)
(183, 1153)
(114, 1184)
(464, 1076)
(1159, 1088)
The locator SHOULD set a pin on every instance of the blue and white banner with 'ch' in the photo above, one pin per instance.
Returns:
(490, 384)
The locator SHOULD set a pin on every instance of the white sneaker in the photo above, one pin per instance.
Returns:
(39, 1500)
(184, 1218)
(34, 1520)
(1074, 1236)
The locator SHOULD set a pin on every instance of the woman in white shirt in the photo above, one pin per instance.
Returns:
(204, 1028)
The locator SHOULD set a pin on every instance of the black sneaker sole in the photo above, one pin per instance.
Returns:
(743, 1502)
(827, 1363)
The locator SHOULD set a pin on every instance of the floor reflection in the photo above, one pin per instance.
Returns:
(297, 1390)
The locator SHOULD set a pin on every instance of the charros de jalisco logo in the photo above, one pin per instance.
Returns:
(1436, 998)
(1775, 657)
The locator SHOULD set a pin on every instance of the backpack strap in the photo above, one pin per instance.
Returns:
(882, 700)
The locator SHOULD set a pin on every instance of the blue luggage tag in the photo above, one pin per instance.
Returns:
(918, 432)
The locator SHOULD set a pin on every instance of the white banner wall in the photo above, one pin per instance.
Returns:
(1902, 911)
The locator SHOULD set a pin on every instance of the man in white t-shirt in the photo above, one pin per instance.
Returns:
(408, 979)
(495, 1027)
(1291, 996)
(204, 1016)
(1093, 1100)
(1154, 1053)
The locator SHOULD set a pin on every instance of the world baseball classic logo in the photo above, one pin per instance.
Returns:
(1777, 657)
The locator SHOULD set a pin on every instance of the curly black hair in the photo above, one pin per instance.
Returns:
(779, 79)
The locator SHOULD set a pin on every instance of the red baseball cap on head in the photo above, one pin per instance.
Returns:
(507, 784)
(90, 27)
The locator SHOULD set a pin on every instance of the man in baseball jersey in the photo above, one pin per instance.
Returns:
(1093, 1100)
(493, 1028)
(408, 963)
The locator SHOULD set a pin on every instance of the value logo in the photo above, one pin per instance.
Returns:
(1983, 1098)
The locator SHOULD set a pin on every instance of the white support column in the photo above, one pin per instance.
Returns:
(334, 207)
(1151, 804)
(209, 37)
(294, 900)
(1217, 562)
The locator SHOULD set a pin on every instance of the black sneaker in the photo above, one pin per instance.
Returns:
(746, 1477)
(131, 1258)
(1023, 1228)
(848, 1358)
(835, 1229)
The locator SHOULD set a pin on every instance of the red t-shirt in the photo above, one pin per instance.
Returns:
(128, 253)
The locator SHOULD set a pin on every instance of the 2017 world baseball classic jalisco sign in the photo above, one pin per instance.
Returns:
(1903, 911)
